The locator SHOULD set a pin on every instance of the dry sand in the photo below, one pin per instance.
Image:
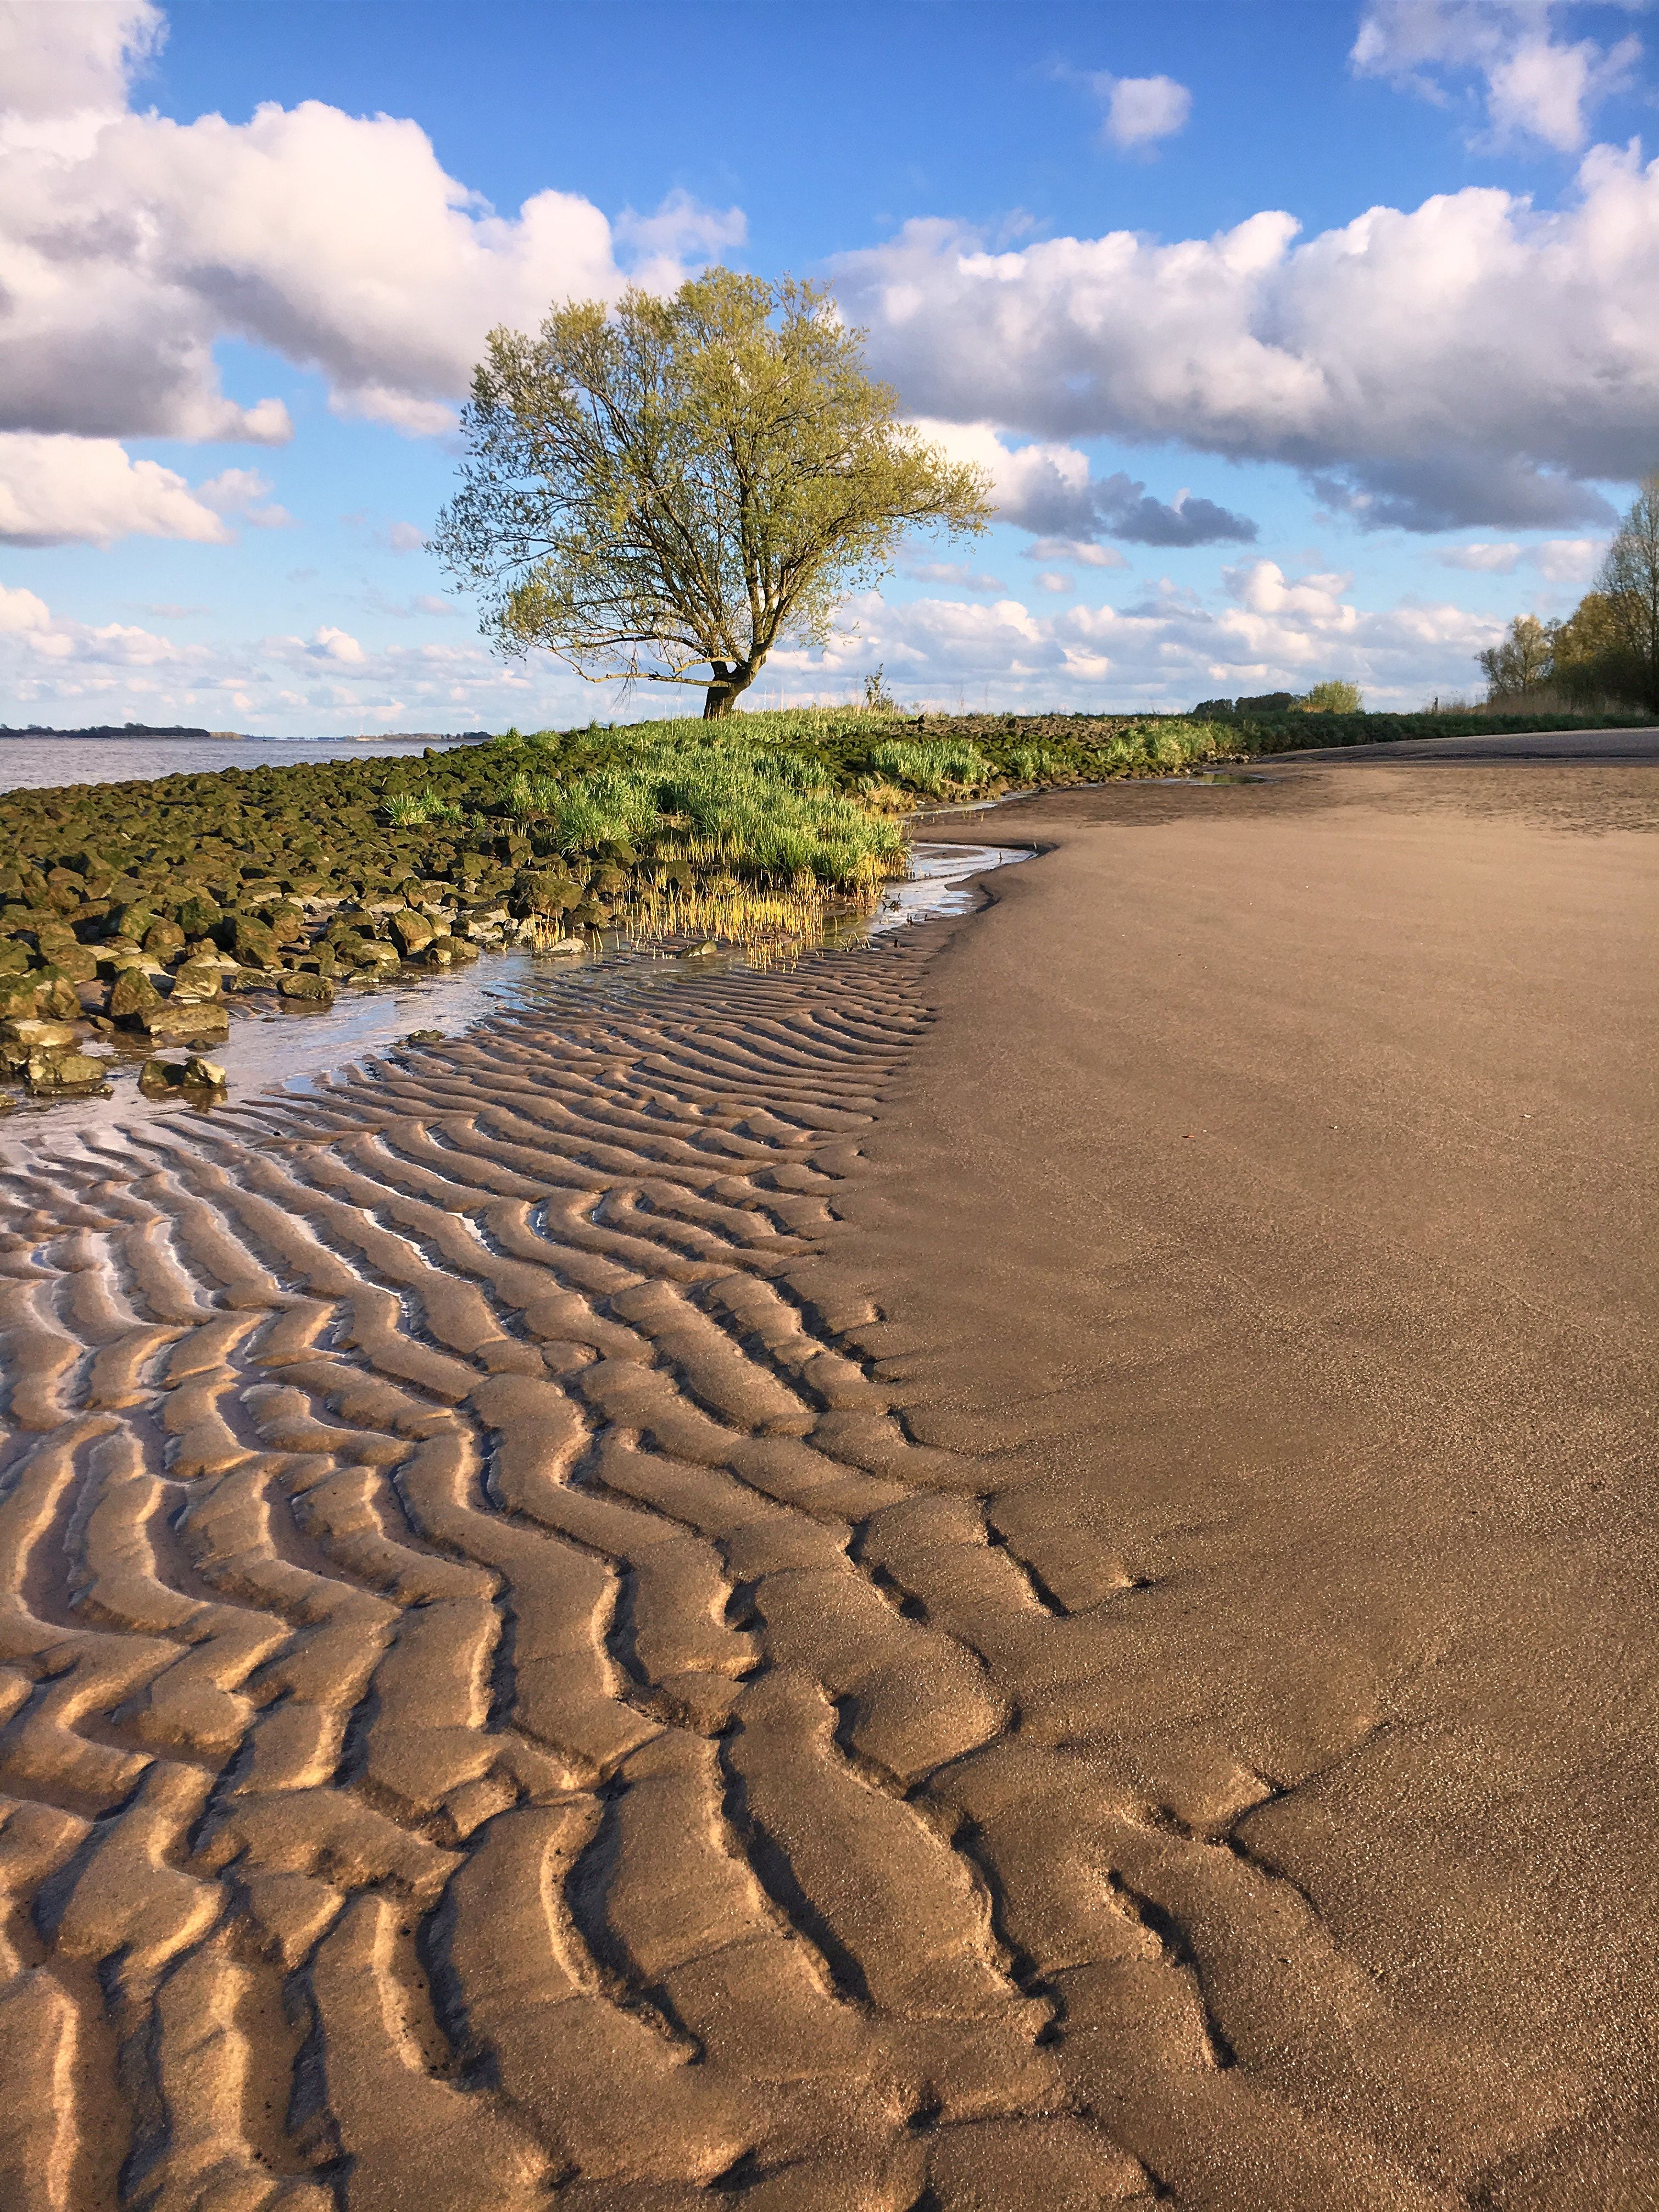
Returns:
(1017, 1574)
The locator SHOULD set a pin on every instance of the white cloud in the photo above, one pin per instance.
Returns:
(1270, 631)
(1536, 86)
(1568, 560)
(1489, 560)
(63, 491)
(57, 61)
(1079, 549)
(1050, 579)
(1141, 109)
(402, 537)
(21, 610)
(337, 645)
(958, 574)
(239, 492)
(1048, 488)
(129, 243)
(1472, 361)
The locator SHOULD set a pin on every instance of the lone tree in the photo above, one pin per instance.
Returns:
(662, 492)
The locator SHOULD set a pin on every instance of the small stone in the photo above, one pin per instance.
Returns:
(706, 950)
(424, 1036)
(205, 1074)
(157, 1077)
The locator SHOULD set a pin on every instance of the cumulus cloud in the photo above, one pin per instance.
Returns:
(129, 243)
(1050, 579)
(1268, 630)
(1484, 560)
(1079, 549)
(958, 574)
(1141, 110)
(401, 537)
(1048, 488)
(1469, 362)
(1535, 85)
(58, 62)
(63, 491)
(245, 492)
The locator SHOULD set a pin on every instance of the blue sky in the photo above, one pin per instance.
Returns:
(1246, 432)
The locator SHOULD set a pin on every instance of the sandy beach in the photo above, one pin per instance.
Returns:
(1010, 1572)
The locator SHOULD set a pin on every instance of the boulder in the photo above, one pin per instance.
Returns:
(38, 1036)
(19, 997)
(13, 957)
(197, 978)
(55, 997)
(375, 952)
(200, 915)
(132, 994)
(162, 938)
(66, 1075)
(253, 943)
(288, 924)
(304, 989)
(197, 1021)
(412, 931)
(205, 1074)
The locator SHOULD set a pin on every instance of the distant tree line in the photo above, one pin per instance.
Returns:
(1608, 648)
(1331, 698)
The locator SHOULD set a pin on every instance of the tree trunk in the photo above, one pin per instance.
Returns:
(722, 694)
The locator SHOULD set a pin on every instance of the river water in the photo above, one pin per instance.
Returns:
(40, 763)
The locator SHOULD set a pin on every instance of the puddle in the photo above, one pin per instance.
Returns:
(298, 1052)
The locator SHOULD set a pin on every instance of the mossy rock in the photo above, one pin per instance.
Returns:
(66, 1075)
(18, 998)
(302, 988)
(412, 932)
(197, 1022)
(132, 994)
(199, 916)
(251, 942)
(78, 963)
(13, 957)
(55, 996)
(198, 979)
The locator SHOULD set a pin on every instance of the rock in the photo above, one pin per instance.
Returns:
(440, 953)
(13, 957)
(205, 1074)
(197, 978)
(55, 997)
(309, 990)
(18, 997)
(132, 994)
(157, 1077)
(706, 950)
(200, 915)
(254, 945)
(412, 931)
(375, 952)
(66, 1074)
(78, 962)
(288, 924)
(424, 1036)
(192, 1022)
(461, 951)
(162, 938)
(134, 920)
(38, 1036)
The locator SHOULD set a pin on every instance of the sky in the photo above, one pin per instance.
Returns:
(1299, 341)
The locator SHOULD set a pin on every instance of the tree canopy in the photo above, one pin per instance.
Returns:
(663, 492)
(1608, 647)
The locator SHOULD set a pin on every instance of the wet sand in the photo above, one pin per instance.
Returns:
(1274, 1203)
(1013, 1572)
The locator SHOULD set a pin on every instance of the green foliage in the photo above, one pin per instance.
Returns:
(1333, 697)
(1523, 662)
(662, 491)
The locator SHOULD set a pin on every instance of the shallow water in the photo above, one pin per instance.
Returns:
(43, 764)
(297, 1052)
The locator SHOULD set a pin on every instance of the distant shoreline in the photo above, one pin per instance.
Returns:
(244, 737)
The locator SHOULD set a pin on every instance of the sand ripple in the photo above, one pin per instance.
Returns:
(480, 1654)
